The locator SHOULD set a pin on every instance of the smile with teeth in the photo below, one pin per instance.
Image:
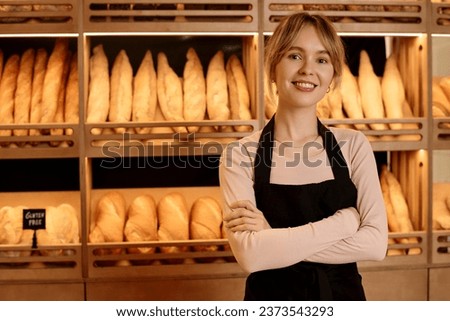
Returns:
(306, 85)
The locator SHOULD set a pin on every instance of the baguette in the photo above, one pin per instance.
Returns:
(59, 115)
(170, 92)
(144, 93)
(8, 86)
(40, 66)
(109, 221)
(22, 98)
(72, 99)
(444, 83)
(121, 99)
(239, 97)
(216, 89)
(441, 206)
(351, 96)
(401, 209)
(370, 88)
(194, 90)
(142, 223)
(99, 88)
(323, 108)
(393, 91)
(173, 219)
(205, 222)
(53, 80)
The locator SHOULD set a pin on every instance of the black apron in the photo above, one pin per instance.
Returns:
(295, 205)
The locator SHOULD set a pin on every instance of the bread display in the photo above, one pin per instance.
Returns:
(205, 222)
(142, 223)
(8, 85)
(217, 104)
(121, 92)
(194, 90)
(22, 97)
(239, 96)
(99, 88)
(173, 219)
(145, 95)
(170, 92)
(109, 220)
(351, 96)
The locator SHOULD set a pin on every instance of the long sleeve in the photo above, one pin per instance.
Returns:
(370, 241)
(274, 248)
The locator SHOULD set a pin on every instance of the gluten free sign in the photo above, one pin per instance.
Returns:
(34, 219)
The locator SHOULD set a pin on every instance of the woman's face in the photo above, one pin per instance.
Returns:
(305, 72)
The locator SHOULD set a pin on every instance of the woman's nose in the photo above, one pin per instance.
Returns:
(306, 68)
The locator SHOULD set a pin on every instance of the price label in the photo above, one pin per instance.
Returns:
(34, 219)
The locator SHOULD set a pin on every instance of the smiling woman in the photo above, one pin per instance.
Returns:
(300, 218)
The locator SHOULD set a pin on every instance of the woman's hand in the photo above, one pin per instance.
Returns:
(244, 216)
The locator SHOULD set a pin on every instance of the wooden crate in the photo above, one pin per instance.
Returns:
(351, 16)
(441, 133)
(171, 16)
(43, 16)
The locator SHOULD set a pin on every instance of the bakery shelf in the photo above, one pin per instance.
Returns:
(440, 246)
(190, 262)
(414, 138)
(41, 17)
(50, 141)
(361, 17)
(441, 133)
(168, 16)
(62, 262)
(412, 252)
(440, 17)
(164, 141)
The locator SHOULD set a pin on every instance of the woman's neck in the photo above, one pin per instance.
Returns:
(299, 125)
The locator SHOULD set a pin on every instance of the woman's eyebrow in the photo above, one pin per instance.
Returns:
(319, 52)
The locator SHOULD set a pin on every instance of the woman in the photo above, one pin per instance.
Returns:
(303, 202)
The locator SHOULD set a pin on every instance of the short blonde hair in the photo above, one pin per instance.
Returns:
(286, 32)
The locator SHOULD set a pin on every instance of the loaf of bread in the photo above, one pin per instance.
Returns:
(109, 220)
(393, 91)
(40, 66)
(59, 115)
(144, 93)
(194, 89)
(170, 92)
(142, 223)
(12, 232)
(121, 98)
(99, 88)
(439, 99)
(22, 97)
(61, 227)
(8, 86)
(441, 206)
(53, 80)
(393, 223)
(205, 222)
(173, 220)
(72, 99)
(370, 89)
(323, 109)
(351, 96)
(445, 85)
(239, 96)
(216, 89)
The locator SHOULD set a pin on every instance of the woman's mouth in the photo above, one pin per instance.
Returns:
(304, 85)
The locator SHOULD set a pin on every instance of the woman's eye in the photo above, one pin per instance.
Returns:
(295, 56)
(323, 61)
